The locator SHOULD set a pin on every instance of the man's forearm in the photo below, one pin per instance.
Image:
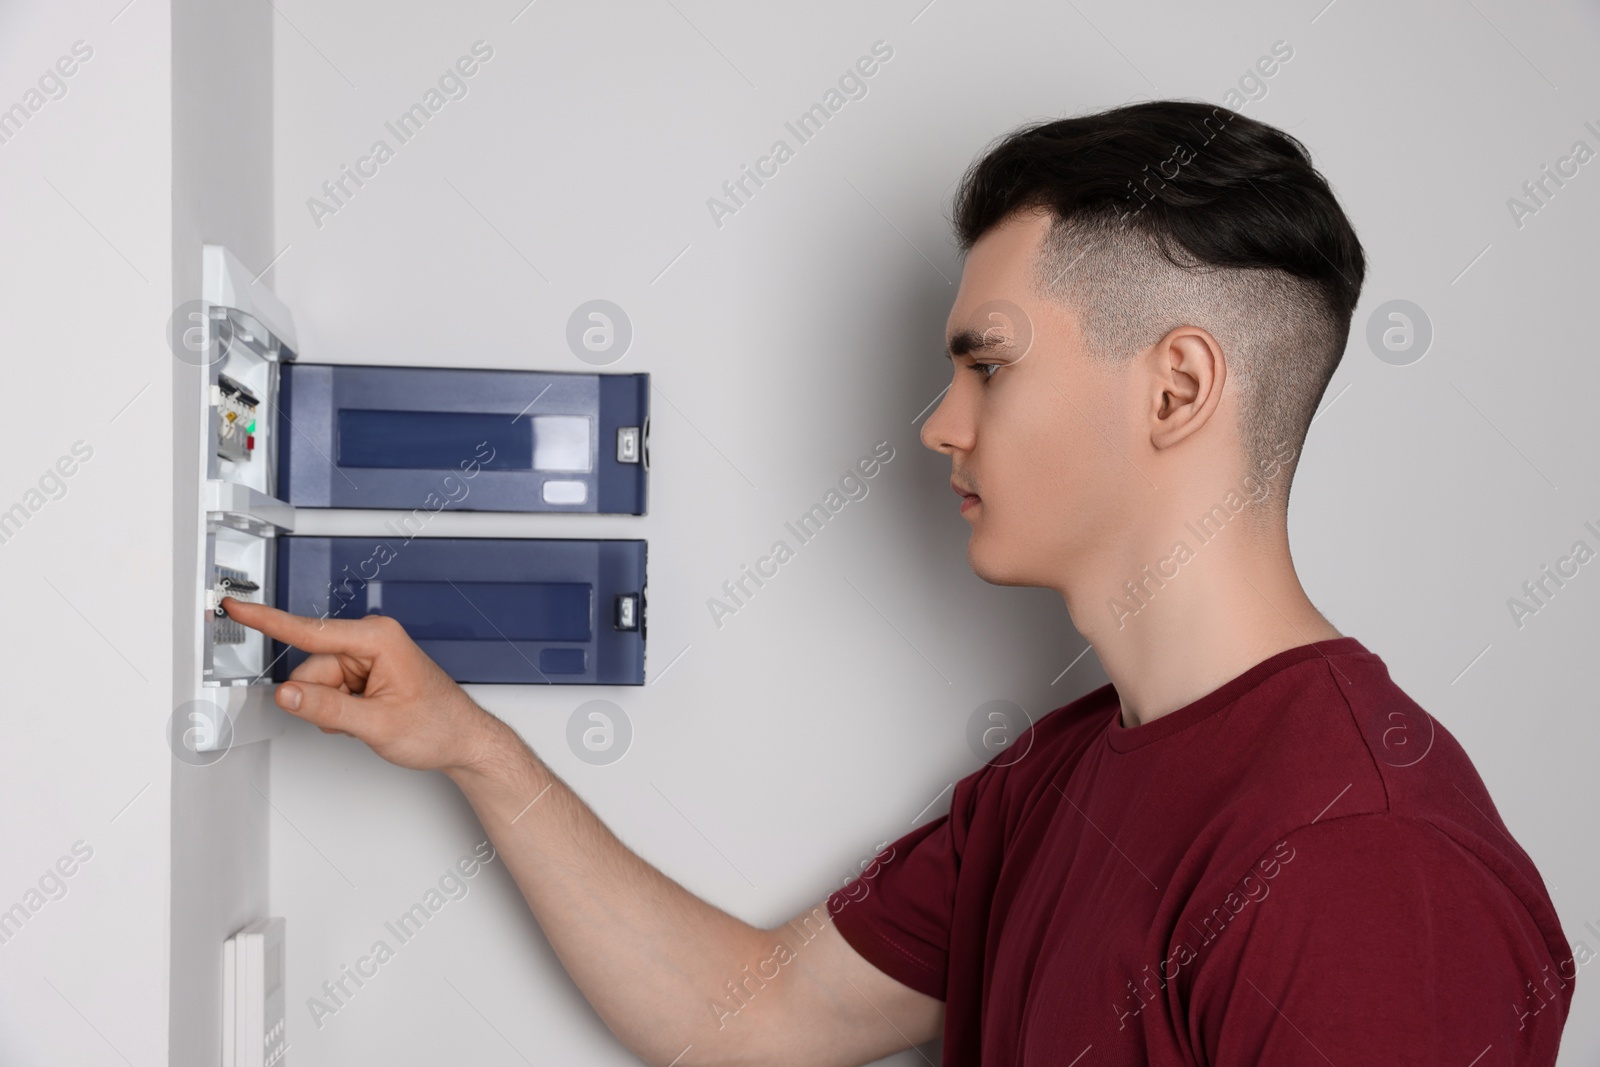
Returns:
(648, 954)
(657, 963)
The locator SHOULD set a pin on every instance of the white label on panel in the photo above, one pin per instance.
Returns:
(565, 492)
(560, 443)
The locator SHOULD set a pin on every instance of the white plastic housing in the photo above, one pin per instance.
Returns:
(239, 514)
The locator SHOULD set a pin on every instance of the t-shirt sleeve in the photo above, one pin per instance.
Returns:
(898, 913)
(1374, 939)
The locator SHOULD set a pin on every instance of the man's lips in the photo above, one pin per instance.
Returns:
(968, 498)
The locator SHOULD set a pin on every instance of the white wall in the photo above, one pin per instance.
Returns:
(221, 194)
(825, 715)
(85, 287)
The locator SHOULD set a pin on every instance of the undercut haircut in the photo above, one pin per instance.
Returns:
(1174, 213)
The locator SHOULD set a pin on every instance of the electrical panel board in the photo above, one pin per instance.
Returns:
(279, 435)
(483, 440)
(537, 612)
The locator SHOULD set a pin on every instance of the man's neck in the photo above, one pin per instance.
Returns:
(1226, 610)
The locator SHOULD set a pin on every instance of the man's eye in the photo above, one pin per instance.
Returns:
(986, 370)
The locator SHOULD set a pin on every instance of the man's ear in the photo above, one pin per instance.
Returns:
(1186, 373)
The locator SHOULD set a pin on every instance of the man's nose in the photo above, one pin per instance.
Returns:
(941, 432)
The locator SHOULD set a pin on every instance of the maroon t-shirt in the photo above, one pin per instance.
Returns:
(1299, 867)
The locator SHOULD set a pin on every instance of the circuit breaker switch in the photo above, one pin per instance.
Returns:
(234, 583)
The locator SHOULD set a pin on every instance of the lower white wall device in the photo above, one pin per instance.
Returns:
(253, 1021)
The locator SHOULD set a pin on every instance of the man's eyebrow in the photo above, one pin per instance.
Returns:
(966, 342)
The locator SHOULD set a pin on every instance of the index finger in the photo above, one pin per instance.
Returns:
(302, 631)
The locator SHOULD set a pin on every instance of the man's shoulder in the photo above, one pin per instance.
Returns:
(1341, 737)
(1351, 766)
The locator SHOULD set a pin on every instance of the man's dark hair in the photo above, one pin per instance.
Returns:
(1173, 213)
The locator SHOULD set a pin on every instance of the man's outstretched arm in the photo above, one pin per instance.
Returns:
(653, 959)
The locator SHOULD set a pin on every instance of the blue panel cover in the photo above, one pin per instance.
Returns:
(428, 438)
(486, 609)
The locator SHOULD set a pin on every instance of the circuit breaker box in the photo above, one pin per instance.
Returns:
(280, 436)
(485, 609)
(388, 437)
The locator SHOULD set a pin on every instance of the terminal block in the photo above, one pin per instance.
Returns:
(236, 419)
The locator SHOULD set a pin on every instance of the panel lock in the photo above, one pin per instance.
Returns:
(628, 442)
(627, 612)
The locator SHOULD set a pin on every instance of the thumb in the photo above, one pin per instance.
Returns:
(322, 705)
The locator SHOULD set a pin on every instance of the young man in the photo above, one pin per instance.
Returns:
(1251, 847)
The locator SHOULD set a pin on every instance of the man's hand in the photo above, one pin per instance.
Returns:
(367, 678)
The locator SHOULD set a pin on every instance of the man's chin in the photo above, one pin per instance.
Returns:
(992, 566)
